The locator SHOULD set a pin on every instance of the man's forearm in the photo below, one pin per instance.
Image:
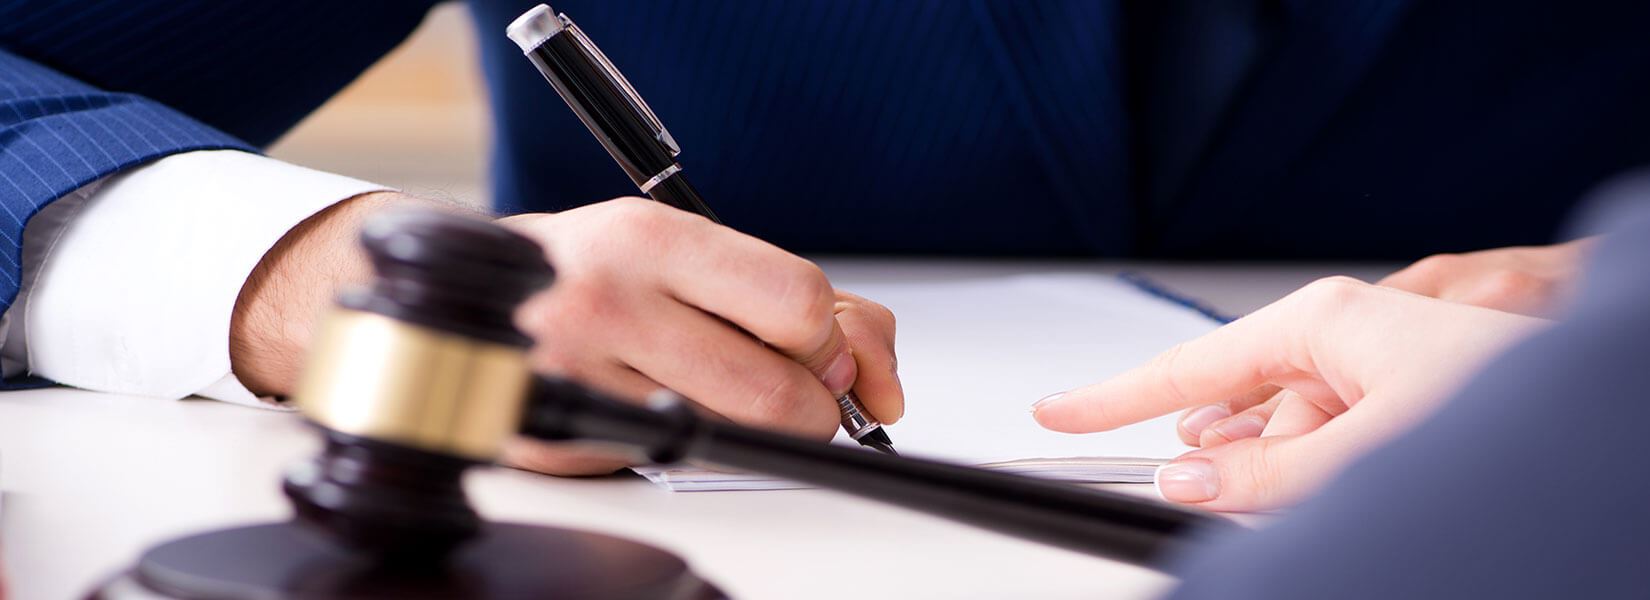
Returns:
(277, 310)
(132, 282)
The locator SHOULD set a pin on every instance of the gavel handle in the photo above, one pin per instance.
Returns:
(1097, 522)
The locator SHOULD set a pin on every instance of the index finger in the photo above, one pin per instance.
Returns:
(782, 299)
(1233, 360)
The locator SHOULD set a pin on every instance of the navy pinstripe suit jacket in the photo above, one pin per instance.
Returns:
(1367, 128)
(1372, 129)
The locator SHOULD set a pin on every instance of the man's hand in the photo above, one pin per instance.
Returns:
(646, 297)
(1357, 363)
(1532, 280)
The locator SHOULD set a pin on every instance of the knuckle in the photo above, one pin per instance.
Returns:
(533, 316)
(1437, 264)
(1261, 471)
(1509, 283)
(574, 307)
(569, 358)
(551, 357)
(778, 404)
(629, 204)
(1323, 304)
(886, 316)
(772, 405)
(635, 218)
(1332, 293)
(874, 314)
(807, 302)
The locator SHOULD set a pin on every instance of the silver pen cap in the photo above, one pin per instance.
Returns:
(534, 26)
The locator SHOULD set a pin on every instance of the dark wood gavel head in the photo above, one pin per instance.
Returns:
(422, 374)
(414, 378)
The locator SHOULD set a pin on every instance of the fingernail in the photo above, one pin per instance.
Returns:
(1191, 480)
(1246, 426)
(1200, 418)
(1045, 400)
(839, 377)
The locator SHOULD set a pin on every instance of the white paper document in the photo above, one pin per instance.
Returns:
(975, 353)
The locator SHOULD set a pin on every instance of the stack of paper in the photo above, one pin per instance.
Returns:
(1076, 470)
(975, 353)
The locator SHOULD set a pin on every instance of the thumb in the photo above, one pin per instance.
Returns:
(832, 362)
(1246, 475)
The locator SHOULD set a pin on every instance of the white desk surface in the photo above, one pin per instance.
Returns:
(89, 480)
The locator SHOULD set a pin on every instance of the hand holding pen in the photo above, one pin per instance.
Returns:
(617, 116)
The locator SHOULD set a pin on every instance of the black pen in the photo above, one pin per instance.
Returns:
(623, 123)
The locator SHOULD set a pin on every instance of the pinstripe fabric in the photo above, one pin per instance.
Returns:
(57, 134)
(1370, 129)
(930, 126)
(88, 88)
(1397, 128)
(994, 127)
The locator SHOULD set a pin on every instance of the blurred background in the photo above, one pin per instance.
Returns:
(417, 120)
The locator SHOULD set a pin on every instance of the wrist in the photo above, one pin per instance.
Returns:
(277, 308)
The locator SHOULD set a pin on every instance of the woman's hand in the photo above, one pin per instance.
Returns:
(1528, 280)
(1356, 363)
(1531, 280)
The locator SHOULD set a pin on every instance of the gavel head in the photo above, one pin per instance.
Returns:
(413, 379)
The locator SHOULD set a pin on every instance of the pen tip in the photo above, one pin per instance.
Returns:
(880, 447)
(878, 439)
(878, 435)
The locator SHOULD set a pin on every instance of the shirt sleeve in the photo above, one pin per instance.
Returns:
(130, 282)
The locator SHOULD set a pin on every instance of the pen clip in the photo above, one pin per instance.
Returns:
(617, 79)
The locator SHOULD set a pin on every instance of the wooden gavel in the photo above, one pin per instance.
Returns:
(422, 375)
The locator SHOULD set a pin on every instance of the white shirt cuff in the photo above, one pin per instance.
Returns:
(134, 291)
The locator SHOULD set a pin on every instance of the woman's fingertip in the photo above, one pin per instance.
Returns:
(1188, 481)
(1046, 401)
(1236, 428)
(1053, 412)
(1199, 419)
